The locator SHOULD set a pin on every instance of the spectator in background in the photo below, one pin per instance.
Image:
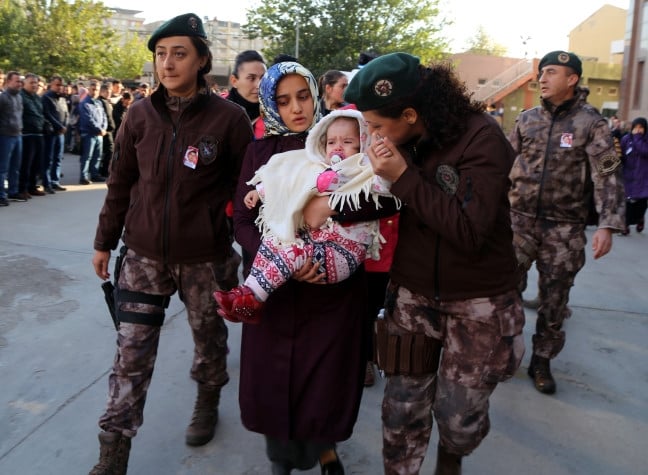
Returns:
(73, 139)
(634, 149)
(120, 109)
(143, 90)
(11, 117)
(92, 128)
(55, 110)
(108, 145)
(32, 140)
(2, 80)
(332, 85)
(116, 89)
(363, 59)
(249, 68)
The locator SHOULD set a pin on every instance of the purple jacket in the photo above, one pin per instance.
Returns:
(635, 165)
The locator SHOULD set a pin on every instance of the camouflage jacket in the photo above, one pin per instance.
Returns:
(564, 154)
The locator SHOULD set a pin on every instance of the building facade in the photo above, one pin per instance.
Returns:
(634, 101)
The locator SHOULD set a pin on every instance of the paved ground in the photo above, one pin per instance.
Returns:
(57, 344)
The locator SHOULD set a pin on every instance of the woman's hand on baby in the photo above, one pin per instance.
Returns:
(309, 273)
(386, 160)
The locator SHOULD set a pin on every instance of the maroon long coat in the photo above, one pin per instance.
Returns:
(302, 367)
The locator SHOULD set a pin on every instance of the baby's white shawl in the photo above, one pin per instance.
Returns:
(289, 180)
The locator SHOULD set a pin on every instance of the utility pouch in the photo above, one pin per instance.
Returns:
(407, 355)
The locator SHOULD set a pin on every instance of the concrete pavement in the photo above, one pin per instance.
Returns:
(57, 345)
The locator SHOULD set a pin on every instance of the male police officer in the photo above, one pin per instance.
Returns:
(565, 153)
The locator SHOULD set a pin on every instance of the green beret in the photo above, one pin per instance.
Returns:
(188, 24)
(383, 80)
(562, 58)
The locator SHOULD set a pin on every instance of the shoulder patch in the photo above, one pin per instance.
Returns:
(448, 178)
(608, 164)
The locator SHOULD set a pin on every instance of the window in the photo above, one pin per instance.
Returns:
(533, 86)
(481, 81)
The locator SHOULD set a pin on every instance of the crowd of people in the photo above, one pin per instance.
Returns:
(388, 188)
(40, 121)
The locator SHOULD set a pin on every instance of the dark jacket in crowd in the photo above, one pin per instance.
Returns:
(118, 114)
(55, 109)
(33, 118)
(108, 109)
(11, 113)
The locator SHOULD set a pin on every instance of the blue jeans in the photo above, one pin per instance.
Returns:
(91, 149)
(10, 158)
(54, 146)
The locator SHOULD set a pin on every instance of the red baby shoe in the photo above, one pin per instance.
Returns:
(246, 307)
(225, 299)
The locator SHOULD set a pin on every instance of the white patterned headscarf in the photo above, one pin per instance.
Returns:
(274, 125)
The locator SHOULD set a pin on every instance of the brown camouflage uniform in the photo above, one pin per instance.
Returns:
(137, 344)
(482, 345)
(565, 154)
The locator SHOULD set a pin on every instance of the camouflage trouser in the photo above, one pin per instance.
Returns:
(559, 252)
(137, 343)
(482, 345)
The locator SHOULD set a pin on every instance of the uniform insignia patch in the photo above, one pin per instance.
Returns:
(193, 23)
(608, 164)
(383, 87)
(448, 178)
(563, 58)
(208, 148)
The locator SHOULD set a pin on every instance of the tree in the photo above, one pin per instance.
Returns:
(129, 58)
(330, 34)
(70, 38)
(483, 44)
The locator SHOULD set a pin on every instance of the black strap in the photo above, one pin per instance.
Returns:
(151, 319)
(139, 297)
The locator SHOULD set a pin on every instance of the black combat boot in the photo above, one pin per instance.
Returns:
(113, 455)
(447, 463)
(205, 416)
(540, 372)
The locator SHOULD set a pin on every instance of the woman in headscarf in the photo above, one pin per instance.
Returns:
(302, 366)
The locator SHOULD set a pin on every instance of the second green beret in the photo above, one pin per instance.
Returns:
(562, 58)
(383, 80)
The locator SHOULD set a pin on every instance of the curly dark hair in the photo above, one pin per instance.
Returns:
(441, 100)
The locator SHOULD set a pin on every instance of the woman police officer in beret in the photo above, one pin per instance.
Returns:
(453, 277)
(175, 167)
